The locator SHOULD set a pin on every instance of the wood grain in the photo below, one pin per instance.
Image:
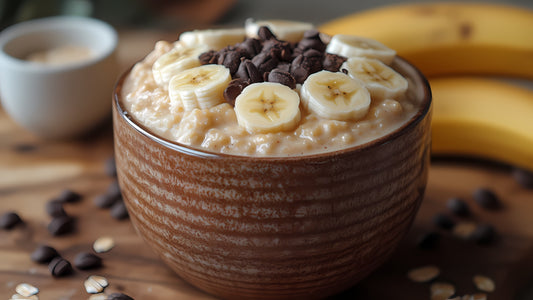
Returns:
(33, 171)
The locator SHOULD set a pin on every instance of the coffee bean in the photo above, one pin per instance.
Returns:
(523, 177)
(429, 240)
(61, 225)
(118, 296)
(443, 221)
(68, 196)
(484, 234)
(44, 254)
(111, 167)
(9, 220)
(60, 267)
(87, 260)
(282, 77)
(119, 211)
(487, 199)
(458, 206)
(54, 209)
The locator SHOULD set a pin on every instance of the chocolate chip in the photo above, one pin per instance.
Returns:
(60, 267)
(229, 59)
(332, 62)
(118, 296)
(54, 209)
(281, 50)
(61, 225)
(209, 57)
(68, 196)
(265, 33)
(265, 62)
(458, 206)
(429, 240)
(487, 199)
(234, 89)
(523, 177)
(484, 234)
(282, 77)
(248, 72)
(87, 260)
(44, 254)
(250, 47)
(443, 221)
(119, 211)
(9, 220)
(111, 167)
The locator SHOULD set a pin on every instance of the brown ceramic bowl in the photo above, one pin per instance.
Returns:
(274, 228)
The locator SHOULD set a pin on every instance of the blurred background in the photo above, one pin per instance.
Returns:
(184, 14)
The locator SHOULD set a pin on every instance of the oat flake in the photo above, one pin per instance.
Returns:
(103, 244)
(441, 290)
(20, 297)
(484, 283)
(26, 290)
(98, 297)
(424, 274)
(95, 284)
(464, 230)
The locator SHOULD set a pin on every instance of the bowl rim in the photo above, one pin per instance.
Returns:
(201, 153)
(58, 24)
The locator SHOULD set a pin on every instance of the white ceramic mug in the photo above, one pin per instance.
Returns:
(58, 101)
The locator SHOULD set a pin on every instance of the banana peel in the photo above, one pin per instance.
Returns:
(472, 116)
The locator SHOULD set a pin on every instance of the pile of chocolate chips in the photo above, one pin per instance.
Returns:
(272, 60)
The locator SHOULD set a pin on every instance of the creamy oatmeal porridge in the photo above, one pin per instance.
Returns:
(263, 96)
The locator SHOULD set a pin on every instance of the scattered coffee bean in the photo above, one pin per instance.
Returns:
(484, 283)
(111, 167)
(523, 177)
(61, 225)
(103, 244)
(119, 296)
(95, 284)
(429, 240)
(68, 196)
(119, 211)
(441, 290)
(54, 209)
(87, 260)
(60, 267)
(424, 274)
(483, 234)
(26, 290)
(458, 206)
(24, 148)
(464, 230)
(487, 199)
(105, 200)
(44, 254)
(443, 221)
(9, 220)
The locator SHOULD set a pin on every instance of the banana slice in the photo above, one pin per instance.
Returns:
(215, 39)
(267, 107)
(290, 31)
(201, 87)
(335, 95)
(178, 59)
(356, 46)
(381, 80)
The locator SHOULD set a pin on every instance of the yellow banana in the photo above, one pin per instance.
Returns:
(483, 118)
(450, 38)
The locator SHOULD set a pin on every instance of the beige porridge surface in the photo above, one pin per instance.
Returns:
(216, 129)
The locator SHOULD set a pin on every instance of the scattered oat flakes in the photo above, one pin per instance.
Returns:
(95, 284)
(484, 283)
(441, 290)
(98, 297)
(103, 244)
(26, 290)
(464, 229)
(424, 274)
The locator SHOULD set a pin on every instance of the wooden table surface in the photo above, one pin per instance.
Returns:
(33, 171)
